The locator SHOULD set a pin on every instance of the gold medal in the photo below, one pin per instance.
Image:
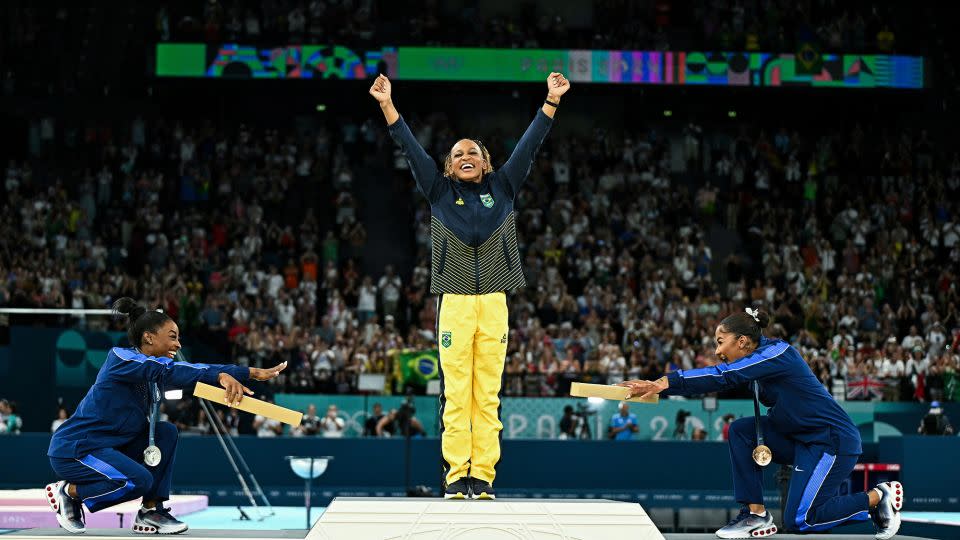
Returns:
(762, 455)
(151, 456)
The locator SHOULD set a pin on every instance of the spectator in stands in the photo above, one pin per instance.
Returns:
(727, 420)
(331, 425)
(62, 416)
(202, 425)
(267, 427)
(10, 421)
(389, 287)
(935, 422)
(623, 424)
(680, 425)
(568, 423)
(230, 420)
(309, 425)
(392, 425)
(366, 300)
(370, 425)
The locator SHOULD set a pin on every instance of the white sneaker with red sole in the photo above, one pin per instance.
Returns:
(747, 525)
(157, 520)
(886, 516)
(69, 510)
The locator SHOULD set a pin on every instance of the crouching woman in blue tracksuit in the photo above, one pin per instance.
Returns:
(107, 453)
(804, 427)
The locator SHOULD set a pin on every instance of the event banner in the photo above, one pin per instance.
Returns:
(691, 68)
(539, 418)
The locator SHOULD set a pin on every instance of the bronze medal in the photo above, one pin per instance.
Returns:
(762, 455)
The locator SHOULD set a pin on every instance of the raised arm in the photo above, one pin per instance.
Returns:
(381, 90)
(424, 169)
(557, 86)
(517, 167)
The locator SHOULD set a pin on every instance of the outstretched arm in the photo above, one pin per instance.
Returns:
(134, 366)
(517, 167)
(424, 169)
(774, 360)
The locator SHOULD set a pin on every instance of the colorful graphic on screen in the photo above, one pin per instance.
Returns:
(753, 69)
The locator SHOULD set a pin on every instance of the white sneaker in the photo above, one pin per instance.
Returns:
(886, 516)
(747, 525)
(157, 520)
(69, 510)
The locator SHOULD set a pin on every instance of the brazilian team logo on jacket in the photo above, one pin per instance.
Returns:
(446, 339)
(487, 200)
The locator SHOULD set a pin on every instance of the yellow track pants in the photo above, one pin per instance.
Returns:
(472, 334)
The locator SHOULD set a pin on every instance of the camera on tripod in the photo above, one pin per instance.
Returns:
(680, 431)
(577, 425)
(583, 410)
(404, 413)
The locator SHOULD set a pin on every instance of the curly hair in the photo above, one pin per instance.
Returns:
(448, 161)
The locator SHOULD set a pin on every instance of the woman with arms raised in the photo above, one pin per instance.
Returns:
(475, 260)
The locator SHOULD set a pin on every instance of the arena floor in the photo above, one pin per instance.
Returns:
(95, 534)
(288, 522)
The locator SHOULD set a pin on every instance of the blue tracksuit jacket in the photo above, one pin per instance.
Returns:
(473, 225)
(800, 407)
(115, 410)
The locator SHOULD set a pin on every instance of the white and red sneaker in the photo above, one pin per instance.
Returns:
(886, 516)
(69, 510)
(747, 525)
(157, 521)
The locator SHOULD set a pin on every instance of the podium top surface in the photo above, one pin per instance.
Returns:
(381, 500)
(780, 536)
(93, 534)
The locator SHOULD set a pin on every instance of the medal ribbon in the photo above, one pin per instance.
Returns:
(154, 409)
(756, 411)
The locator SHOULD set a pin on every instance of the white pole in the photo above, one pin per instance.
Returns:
(54, 311)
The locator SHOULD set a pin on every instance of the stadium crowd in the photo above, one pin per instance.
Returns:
(850, 239)
(636, 25)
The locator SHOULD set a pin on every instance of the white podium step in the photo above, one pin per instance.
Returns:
(363, 518)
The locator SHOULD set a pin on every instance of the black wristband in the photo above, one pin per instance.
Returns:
(550, 103)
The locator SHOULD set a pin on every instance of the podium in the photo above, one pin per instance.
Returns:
(362, 518)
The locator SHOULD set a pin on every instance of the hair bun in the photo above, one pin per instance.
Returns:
(128, 307)
(763, 319)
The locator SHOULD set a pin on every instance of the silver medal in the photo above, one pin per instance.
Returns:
(151, 456)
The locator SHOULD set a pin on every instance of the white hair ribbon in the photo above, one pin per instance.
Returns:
(755, 313)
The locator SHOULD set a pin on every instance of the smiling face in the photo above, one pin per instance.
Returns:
(731, 347)
(467, 162)
(164, 342)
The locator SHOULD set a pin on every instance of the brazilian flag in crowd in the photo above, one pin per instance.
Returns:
(417, 367)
